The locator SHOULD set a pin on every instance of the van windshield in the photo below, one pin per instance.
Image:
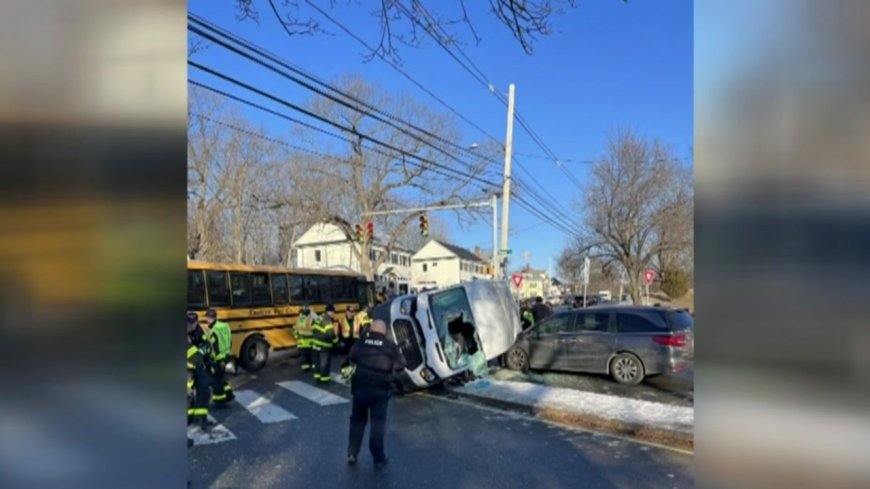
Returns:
(456, 328)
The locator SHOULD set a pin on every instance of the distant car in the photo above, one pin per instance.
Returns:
(628, 343)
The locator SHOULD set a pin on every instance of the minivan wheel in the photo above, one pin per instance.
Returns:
(253, 354)
(626, 368)
(517, 359)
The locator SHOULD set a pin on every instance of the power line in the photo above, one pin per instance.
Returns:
(552, 208)
(311, 114)
(399, 70)
(452, 172)
(386, 119)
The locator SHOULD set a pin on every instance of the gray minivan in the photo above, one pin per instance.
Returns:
(626, 342)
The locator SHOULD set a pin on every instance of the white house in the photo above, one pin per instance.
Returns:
(439, 265)
(326, 246)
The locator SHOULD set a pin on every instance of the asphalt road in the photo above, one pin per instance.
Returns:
(431, 442)
(677, 389)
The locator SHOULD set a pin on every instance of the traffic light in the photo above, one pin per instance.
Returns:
(370, 230)
(359, 233)
(424, 226)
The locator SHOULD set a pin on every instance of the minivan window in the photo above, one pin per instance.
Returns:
(592, 322)
(640, 323)
(556, 324)
(681, 320)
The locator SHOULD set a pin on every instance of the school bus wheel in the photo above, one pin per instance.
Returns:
(253, 353)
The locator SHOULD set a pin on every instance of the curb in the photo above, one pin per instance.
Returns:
(662, 436)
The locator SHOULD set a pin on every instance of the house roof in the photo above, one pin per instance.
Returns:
(462, 253)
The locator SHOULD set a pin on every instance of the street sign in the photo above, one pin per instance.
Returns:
(507, 251)
(649, 275)
(585, 273)
(518, 279)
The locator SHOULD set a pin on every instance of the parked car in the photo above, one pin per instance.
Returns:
(628, 343)
(447, 332)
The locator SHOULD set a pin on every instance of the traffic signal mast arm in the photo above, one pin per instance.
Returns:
(429, 208)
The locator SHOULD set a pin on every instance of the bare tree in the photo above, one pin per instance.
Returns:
(353, 178)
(637, 208)
(400, 24)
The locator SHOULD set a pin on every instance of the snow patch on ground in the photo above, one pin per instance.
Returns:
(605, 406)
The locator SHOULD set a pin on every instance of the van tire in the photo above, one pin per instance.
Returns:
(626, 368)
(517, 359)
(253, 354)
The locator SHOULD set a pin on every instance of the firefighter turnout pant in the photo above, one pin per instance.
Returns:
(222, 391)
(322, 362)
(304, 344)
(198, 399)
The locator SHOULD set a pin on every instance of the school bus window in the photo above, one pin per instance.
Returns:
(195, 289)
(338, 286)
(279, 288)
(218, 288)
(240, 282)
(297, 289)
(316, 289)
(262, 295)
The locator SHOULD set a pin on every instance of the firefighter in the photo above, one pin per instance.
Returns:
(349, 335)
(363, 320)
(376, 358)
(303, 336)
(528, 319)
(198, 380)
(324, 337)
(220, 340)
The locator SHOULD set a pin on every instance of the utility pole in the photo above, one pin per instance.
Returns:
(495, 255)
(506, 191)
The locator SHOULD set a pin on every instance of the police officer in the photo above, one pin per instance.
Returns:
(303, 336)
(220, 340)
(375, 358)
(198, 379)
(324, 337)
(349, 330)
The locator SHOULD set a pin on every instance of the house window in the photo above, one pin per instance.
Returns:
(425, 268)
(317, 255)
(434, 263)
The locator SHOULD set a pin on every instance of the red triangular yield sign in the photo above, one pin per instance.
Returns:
(518, 279)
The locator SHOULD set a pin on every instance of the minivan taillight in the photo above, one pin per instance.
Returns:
(675, 340)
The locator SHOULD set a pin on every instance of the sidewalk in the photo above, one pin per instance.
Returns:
(650, 421)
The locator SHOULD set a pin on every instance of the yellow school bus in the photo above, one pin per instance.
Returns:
(262, 303)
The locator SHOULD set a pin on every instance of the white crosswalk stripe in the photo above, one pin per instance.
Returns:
(320, 396)
(217, 434)
(337, 378)
(261, 407)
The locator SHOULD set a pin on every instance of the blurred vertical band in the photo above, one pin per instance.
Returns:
(783, 243)
(92, 243)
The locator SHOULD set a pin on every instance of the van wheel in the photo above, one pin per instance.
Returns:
(517, 359)
(626, 368)
(253, 354)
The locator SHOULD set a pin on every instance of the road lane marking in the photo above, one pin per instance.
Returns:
(320, 396)
(218, 433)
(263, 408)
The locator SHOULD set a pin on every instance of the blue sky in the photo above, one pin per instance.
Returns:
(607, 64)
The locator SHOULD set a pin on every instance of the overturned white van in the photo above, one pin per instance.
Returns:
(446, 332)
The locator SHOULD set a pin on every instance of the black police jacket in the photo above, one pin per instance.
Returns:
(376, 358)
